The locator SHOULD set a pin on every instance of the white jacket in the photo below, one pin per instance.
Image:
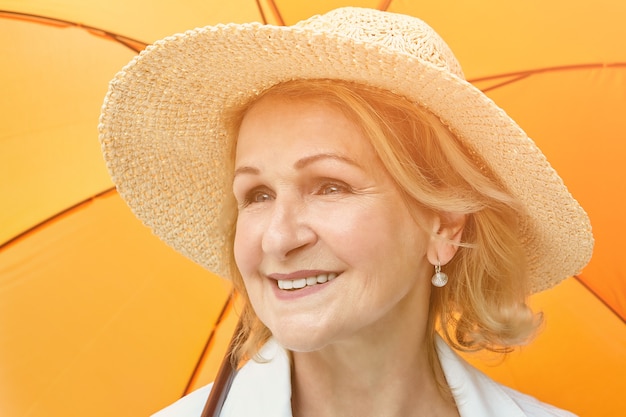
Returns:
(264, 390)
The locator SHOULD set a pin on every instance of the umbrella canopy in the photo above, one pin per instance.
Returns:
(99, 318)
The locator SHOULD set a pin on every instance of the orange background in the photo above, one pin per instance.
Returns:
(99, 318)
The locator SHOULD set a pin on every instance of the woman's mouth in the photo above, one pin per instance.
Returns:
(296, 284)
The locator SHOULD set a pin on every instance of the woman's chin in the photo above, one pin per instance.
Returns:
(301, 340)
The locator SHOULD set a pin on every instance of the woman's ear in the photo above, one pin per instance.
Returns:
(446, 235)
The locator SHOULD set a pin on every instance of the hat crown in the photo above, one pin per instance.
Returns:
(394, 32)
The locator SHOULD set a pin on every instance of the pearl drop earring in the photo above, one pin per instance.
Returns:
(440, 279)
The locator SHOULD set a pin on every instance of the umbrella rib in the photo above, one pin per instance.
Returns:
(502, 84)
(599, 298)
(519, 75)
(133, 44)
(276, 12)
(56, 216)
(384, 5)
(205, 349)
(263, 18)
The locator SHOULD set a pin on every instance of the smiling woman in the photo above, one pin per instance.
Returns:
(372, 201)
(325, 215)
(309, 137)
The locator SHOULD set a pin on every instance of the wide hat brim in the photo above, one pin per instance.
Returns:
(165, 143)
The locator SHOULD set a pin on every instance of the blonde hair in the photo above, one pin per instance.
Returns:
(484, 304)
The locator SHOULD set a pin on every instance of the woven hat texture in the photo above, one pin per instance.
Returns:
(164, 141)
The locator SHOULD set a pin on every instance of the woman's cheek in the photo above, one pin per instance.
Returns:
(244, 245)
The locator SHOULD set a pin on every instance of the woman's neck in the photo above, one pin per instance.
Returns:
(388, 375)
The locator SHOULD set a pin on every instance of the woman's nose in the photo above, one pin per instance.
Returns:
(287, 229)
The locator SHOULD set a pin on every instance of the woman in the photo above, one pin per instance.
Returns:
(362, 197)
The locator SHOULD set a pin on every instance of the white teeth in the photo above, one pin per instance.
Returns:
(299, 283)
(287, 284)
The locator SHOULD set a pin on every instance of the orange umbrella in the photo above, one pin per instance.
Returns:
(97, 317)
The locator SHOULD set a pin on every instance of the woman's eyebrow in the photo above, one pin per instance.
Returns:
(246, 170)
(302, 163)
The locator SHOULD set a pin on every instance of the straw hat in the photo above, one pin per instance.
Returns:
(164, 141)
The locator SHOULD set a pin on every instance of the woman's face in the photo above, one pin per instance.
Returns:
(325, 243)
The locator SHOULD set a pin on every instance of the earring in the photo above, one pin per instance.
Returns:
(440, 278)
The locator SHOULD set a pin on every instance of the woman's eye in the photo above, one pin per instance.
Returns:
(257, 196)
(331, 189)
(261, 197)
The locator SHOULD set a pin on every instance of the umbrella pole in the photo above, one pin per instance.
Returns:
(223, 381)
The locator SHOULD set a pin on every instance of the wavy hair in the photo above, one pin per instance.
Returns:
(484, 305)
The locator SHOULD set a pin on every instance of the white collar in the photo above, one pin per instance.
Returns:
(475, 393)
(264, 388)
